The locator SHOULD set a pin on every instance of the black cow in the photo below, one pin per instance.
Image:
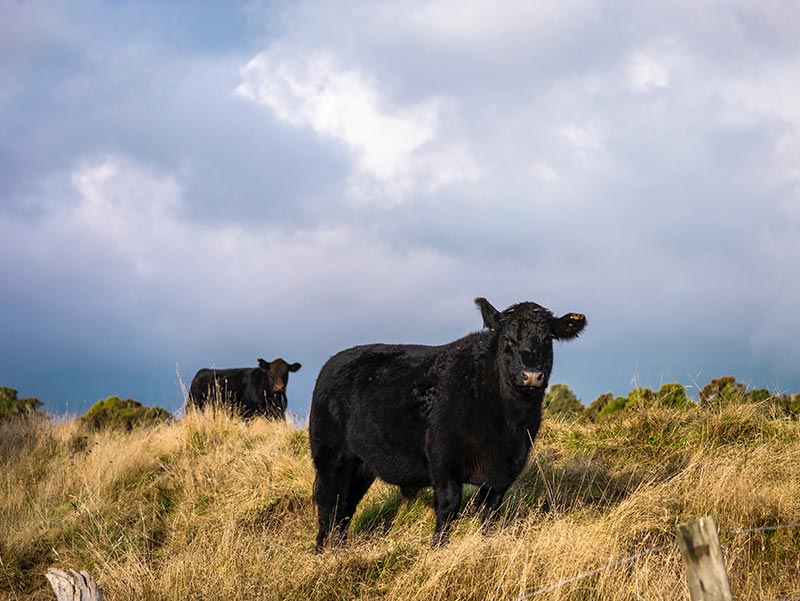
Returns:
(415, 416)
(252, 390)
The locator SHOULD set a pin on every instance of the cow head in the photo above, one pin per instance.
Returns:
(524, 334)
(277, 372)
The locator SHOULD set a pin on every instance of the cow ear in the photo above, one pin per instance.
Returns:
(488, 312)
(263, 364)
(568, 326)
(294, 367)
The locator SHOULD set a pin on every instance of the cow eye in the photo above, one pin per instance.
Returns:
(510, 343)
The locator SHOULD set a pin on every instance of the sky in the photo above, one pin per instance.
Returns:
(200, 184)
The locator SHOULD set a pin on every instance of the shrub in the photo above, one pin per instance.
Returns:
(597, 405)
(758, 395)
(560, 400)
(10, 405)
(614, 405)
(641, 397)
(778, 404)
(726, 390)
(793, 404)
(604, 405)
(673, 395)
(721, 391)
(115, 413)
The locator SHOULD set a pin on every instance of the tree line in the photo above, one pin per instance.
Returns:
(562, 401)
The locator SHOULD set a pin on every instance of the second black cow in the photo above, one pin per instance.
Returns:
(251, 390)
(415, 416)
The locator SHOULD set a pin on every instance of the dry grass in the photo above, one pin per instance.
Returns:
(208, 508)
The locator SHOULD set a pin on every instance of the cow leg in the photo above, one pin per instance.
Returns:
(446, 502)
(490, 499)
(326, 498)
(361, 479)
(341, 483)
(330, 492)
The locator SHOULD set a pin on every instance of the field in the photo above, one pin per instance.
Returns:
(207, 507)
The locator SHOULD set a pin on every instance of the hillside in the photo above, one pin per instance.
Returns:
(208, 508)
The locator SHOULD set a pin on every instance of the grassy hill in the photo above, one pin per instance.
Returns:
(208, 508)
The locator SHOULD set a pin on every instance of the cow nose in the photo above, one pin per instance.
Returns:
(533, 377)
(279, 387)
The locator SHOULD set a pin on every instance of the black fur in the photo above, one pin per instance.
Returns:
(417, 416)
(252, 390)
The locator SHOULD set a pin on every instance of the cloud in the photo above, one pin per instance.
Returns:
(647, 73)
(122, 206)
(134, 277)
(122, 237)
(120, 273)
(397, 150)
(491, 27)
(584, 143)
(545, 173)
(195, 199)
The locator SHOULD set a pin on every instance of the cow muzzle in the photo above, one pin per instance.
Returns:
(531, 378)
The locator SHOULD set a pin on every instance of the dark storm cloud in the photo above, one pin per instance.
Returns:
(149, 84)
(291, 179)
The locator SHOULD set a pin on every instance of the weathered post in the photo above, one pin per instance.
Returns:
(702, 556)
(73, 586)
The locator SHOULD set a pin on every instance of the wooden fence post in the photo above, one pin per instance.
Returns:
(702, 556)
(73, 586)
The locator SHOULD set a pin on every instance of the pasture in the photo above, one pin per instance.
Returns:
(208, 507)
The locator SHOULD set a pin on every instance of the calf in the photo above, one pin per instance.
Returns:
(252, 390)
(463, 412)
